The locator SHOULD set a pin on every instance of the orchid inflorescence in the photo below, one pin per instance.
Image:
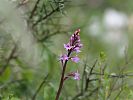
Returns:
(74, 45)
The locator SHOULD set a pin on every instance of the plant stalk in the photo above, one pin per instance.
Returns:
(62, 78)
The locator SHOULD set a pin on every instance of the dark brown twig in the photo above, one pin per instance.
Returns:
(11, 56)
(45, 17)
(34, 9)
(83, 76)
(50, 35)
(90, 73)
(87, 81)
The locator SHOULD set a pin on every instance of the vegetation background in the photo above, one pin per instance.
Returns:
(32, 34)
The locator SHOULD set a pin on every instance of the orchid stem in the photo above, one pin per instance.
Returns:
(62, 78)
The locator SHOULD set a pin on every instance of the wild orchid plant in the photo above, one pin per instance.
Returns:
(74, 45)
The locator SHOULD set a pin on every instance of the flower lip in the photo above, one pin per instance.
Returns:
(67, 46)
(63, 57)
(75, 59)
(77, 49)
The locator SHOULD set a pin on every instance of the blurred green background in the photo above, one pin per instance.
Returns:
(32, 34)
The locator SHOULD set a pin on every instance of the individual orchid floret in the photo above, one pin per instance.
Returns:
(75, 59)
(77, 49)
(76, 76)
(64, 57)
(67, 46)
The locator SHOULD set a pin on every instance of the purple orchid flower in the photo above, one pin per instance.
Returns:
(75, 59)
(73, 45)
(76, 76)
(63, 58)
(67, 46)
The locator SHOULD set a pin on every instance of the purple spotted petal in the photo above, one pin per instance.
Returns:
(77, 49)
(75, 59)
(64, 57)
(67, 46)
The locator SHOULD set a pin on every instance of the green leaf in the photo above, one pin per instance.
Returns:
(6, 74)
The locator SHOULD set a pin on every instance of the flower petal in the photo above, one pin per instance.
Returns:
(67, 46)
(64, 57)
(75, 59)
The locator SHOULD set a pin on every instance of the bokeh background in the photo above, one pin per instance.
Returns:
(32, 34)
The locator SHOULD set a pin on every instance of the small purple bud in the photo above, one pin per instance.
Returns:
(77, 32)
(75, 59)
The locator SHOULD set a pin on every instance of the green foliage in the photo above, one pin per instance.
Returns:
(6, 75)
(49, 92)
(32, 37)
